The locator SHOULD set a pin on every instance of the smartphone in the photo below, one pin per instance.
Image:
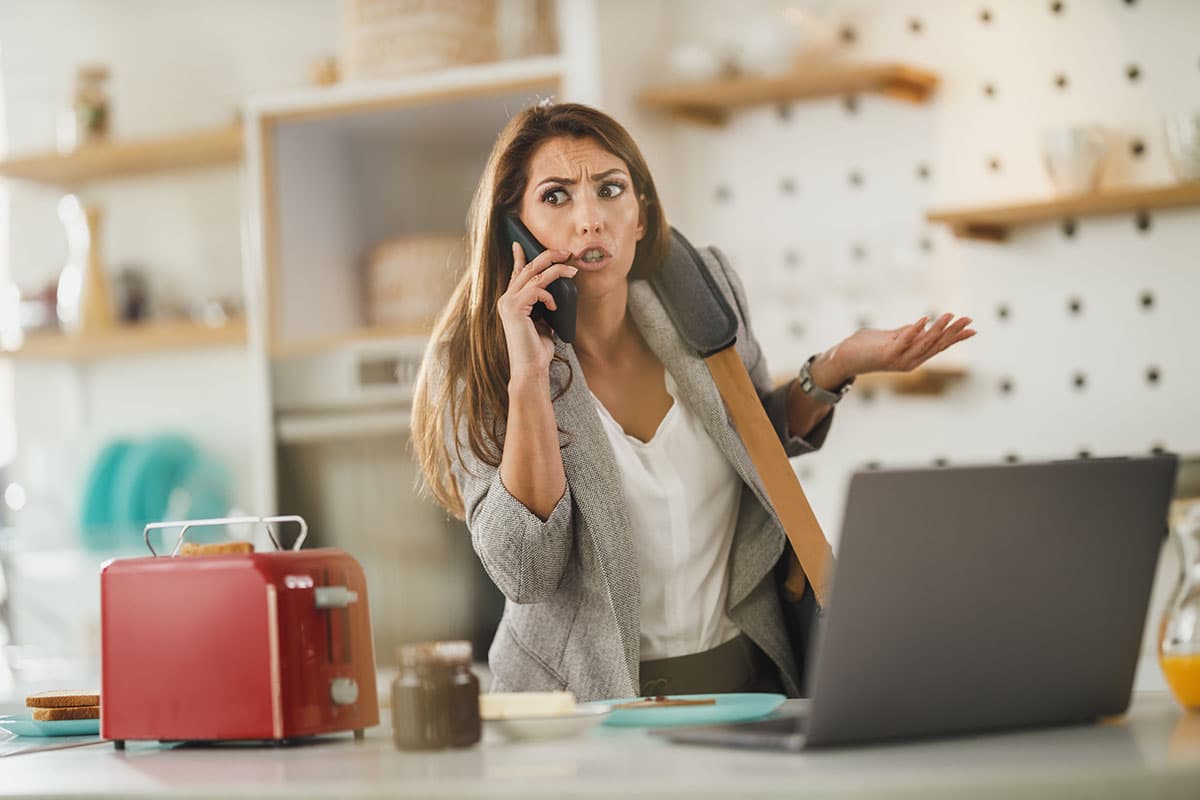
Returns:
(563, 290)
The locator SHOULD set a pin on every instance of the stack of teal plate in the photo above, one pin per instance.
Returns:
(133, 483)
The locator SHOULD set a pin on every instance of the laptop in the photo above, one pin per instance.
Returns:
(978, 598)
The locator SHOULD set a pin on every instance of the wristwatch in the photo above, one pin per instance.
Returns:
(816, 392)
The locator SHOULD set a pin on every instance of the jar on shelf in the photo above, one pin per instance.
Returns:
(91, 105)
(1179, 633)
(435, 697)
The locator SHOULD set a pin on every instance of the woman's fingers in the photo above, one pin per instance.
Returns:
(940, 335)
(518, 253)
(544, 261)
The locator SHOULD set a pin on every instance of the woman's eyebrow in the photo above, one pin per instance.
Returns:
(571, 181)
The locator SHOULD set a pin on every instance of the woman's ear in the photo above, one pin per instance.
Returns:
(641, 226)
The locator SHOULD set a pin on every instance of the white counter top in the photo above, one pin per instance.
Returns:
(1154, 751)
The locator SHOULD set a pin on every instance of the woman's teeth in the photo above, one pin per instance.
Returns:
(593, 255)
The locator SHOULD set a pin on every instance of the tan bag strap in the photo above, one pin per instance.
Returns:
(782, 486)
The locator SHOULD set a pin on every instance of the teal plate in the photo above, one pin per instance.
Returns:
(26, 725)
(728, 708)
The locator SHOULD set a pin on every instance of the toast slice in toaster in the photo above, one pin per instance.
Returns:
(63, 699)
(217, 549)
(78, 712)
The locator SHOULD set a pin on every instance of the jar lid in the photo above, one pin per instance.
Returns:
(457, 652)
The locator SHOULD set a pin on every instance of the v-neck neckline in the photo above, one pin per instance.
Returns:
(662, 423)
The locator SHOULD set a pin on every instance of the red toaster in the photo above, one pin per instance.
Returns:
(261, 646)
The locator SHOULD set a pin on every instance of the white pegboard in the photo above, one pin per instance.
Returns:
(821, 206)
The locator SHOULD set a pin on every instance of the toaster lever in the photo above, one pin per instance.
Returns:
(334, 596)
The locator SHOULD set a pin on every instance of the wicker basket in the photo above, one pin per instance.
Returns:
(410, 279)
(381, 38)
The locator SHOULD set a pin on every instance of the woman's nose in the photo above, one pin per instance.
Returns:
(589, 219)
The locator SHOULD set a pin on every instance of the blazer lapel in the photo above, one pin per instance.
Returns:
(591, 470)
(755, 549)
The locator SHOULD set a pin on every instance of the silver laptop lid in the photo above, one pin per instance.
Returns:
(987, 597)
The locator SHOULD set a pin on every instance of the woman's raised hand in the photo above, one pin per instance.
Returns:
(530, 344)
(900, 349)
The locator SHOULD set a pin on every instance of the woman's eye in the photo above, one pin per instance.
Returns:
(555, 196)
(611, 189)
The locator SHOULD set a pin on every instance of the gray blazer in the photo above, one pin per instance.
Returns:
(571, 620)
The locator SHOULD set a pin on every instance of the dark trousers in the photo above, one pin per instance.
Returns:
(736, 666)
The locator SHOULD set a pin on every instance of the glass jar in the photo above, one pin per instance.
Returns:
(1179, 632)
(91, 105)
(435, 698)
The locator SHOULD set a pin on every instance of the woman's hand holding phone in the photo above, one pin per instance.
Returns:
(530, 344)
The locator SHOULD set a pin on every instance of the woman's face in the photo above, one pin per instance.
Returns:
(580, 198)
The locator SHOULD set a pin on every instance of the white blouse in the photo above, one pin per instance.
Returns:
(683, 496)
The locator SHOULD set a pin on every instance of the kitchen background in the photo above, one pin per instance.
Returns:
(282, 183)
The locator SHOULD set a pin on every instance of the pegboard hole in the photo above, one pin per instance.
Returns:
(784, 111)
(1133, 72)
(915, 26)
(1143, 221)
(850, 103)
(1075, 306)
(797, 330)
(859, 252)
(989, 90)
(1011, 458)
(1058, 7)
(792, 259)
(867, 395)
(1153, 376)
(1068, 228)
(923, 171)
(994, 164)
(1061, 81)
(1079, 381)
(873, 466)
(1157, 449)
(1147, 299)
(985, 16)
(863, 322)
(723, 194)
(1002, 312)
(856, 178)
(848, 35)
(788, 185)
(1006, 386)
(1083, 452)
(925, 244)
(1137, 148)
(941, 461)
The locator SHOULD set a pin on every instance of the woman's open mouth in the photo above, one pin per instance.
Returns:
(592, 258)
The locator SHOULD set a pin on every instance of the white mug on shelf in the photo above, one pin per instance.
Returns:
(1182, 132)
(1074, 156)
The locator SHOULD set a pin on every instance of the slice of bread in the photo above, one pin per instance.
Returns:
(54, 714)
(63, 699)
(217, 549)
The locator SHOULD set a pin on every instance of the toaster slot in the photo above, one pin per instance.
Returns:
(336, 604)
(328, 624)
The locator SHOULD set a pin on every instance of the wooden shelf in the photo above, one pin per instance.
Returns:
(926, 381)
(921, 381)
(322, 344)
(993, 223)
(134, 157)
(127, 340)
(711, 102)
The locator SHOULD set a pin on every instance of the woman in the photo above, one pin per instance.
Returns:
(601, 481)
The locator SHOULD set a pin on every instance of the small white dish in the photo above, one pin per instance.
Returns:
(562, 726)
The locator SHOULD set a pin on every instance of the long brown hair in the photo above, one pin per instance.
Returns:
(465, 372)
